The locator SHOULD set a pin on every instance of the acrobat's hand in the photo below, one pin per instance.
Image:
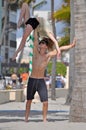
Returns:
(14, 56)
(18, 26)
(59, 54)
(19, 23)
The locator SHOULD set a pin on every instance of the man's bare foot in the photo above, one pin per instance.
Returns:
(44, 120)
(26, 120)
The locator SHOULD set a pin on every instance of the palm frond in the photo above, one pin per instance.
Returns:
(63, 14)
(29, 1)
(40, 4)
(64, 40)
(67, 1)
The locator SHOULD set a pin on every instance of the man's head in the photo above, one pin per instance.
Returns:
(48, 42)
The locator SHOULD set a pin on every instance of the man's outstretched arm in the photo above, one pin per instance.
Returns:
(67, 47)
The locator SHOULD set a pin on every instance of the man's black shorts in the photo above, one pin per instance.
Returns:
(33, 22)
(37, 85)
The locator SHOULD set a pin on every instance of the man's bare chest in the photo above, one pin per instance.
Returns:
(40, 60)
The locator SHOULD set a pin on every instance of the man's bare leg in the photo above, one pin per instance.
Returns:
(45, 109)
(28, 106)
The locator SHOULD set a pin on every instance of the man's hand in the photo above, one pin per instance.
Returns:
(74, 42)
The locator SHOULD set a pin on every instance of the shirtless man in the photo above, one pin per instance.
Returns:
(41, 57)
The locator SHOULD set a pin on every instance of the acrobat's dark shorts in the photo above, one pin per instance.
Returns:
(33, 22)
(37, 85)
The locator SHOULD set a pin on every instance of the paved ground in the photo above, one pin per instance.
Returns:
(12, 117)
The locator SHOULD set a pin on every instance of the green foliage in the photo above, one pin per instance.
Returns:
(11, 70)
(40, 4)
(28, 1)
(67, 1)
(64, 41)
(60, 68)
(63, 14)
(20, 70)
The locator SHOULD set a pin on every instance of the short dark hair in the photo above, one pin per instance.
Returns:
(43, 41)
(49, 43)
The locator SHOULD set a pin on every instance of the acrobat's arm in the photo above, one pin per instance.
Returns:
(51, 36)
